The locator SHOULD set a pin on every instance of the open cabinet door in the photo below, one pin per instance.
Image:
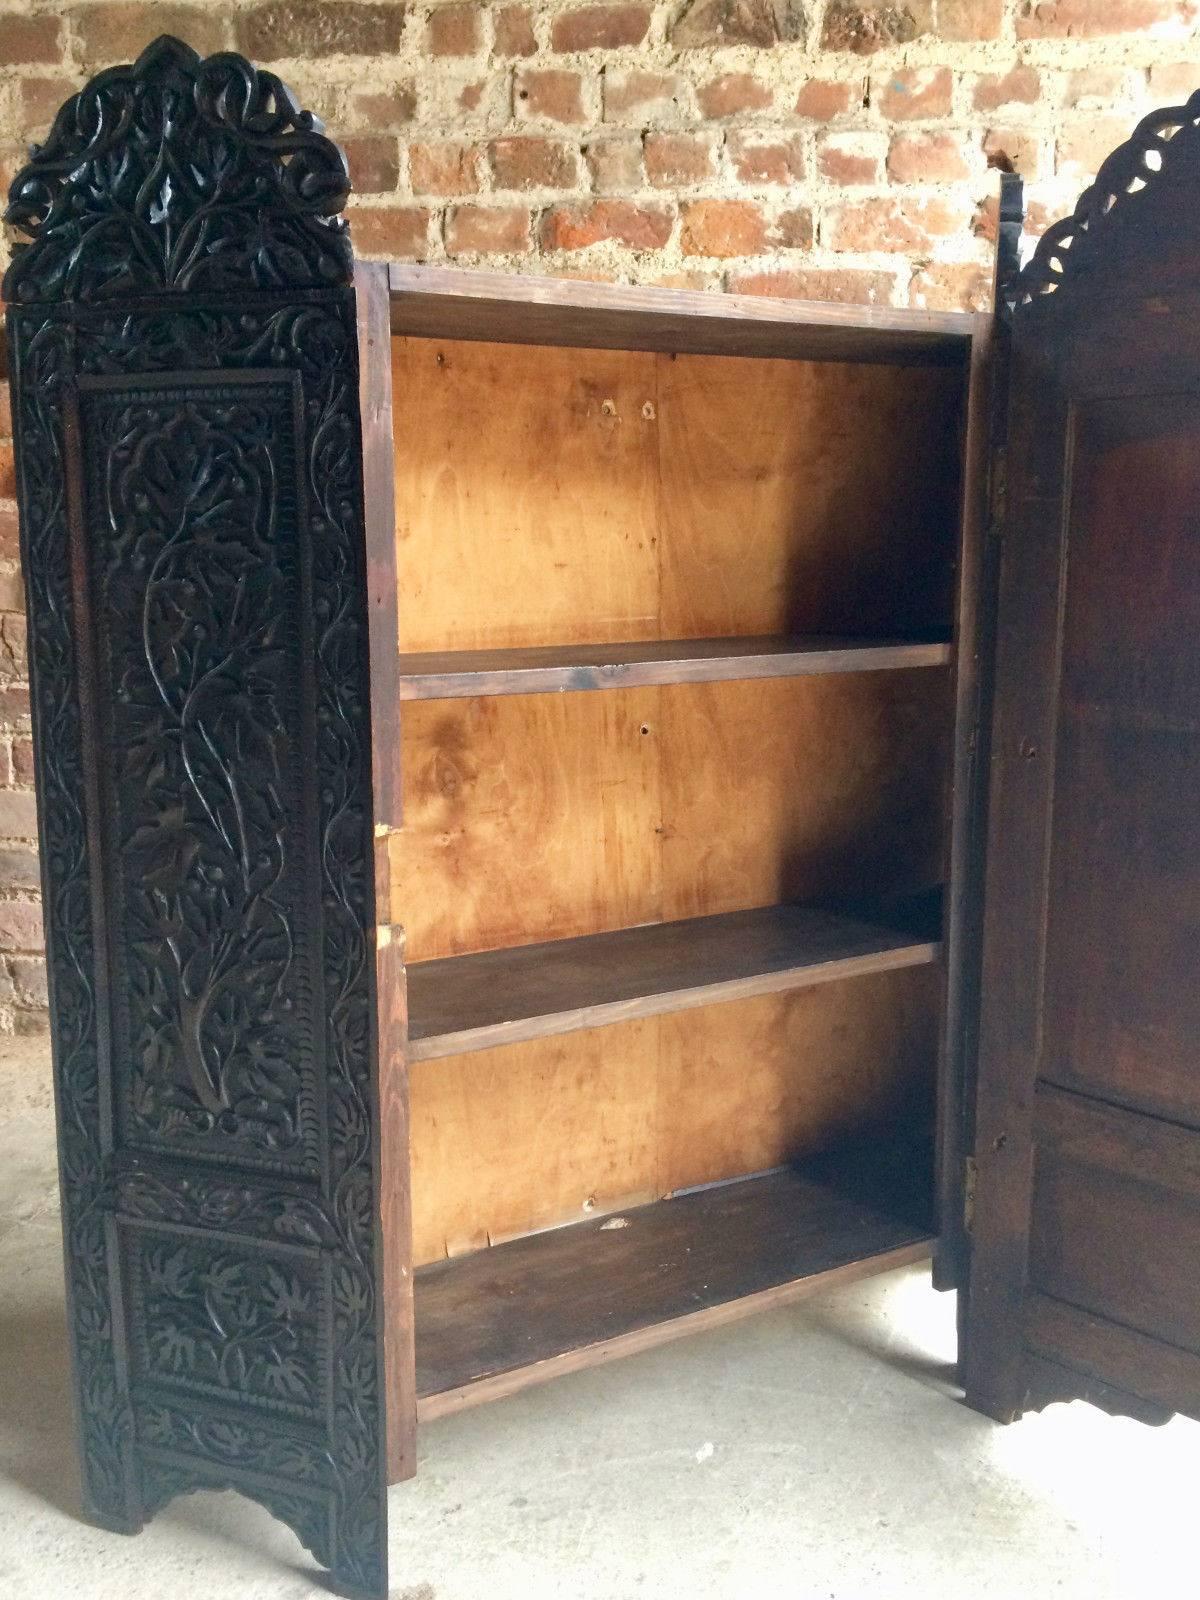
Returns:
(183, 334)
(1086, 1223)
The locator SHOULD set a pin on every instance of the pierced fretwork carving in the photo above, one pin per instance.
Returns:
(185, 386)
(182, 175)
(1065, 249)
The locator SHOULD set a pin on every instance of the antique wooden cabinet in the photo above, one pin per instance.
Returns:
(522, 880)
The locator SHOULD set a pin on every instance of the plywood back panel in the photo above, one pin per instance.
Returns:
(548, 496)
(526, 495)
(533, 1135)
(795, 497)
(544, 816)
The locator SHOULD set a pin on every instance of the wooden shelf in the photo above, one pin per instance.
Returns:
(456, 674)
(498, 1320)
(497, 997)
(448, 303)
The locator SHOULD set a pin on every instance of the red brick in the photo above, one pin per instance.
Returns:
(927, 158)
(374, 163)
(487, 230)
(634, 95)
(793, 230)
(8, 473)
(863, 29)
(851, 158)
(732, 94)
(5, 411)
(1091, 19)
(575, 227)
(41, 99)
(14, 656)
(29, 978)
(532, 163)
(1099, 88)
(384, 108)
(963, 20)
(821, 99)
(710, 24)
(514, 32)
(20, 925)
(9, 542)
(599, 27)
(314, 28)
(446, 168)
(454, 30)
(19, 868)
(762, 158)
(553, 93)
(615, 164)
(1083, 145)
(14, 704)
(111, 33)
(674, 160)
(916, 92)
(27, 41)
(1013, 150)
(901, 225)
(394, 231)
(723, 228)
(1020, 85)
(470, 96)
(22, 761)
(1173, 82)
(18, 814)
(952, 285)
(840, 285)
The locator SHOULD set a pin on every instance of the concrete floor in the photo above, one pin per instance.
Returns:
(815, 1453)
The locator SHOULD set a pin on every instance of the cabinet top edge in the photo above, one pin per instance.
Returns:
(446, 302)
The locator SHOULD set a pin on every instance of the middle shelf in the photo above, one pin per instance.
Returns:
(461, 674)
(497, 997)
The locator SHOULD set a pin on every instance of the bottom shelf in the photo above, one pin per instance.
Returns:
(498, 1320)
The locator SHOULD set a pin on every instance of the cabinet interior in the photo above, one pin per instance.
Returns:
(675, 735)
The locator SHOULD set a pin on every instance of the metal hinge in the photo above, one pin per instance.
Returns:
(970, 1174)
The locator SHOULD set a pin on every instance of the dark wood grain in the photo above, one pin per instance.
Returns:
(496, 1320)
(445, 303)
(978, 568)
(459, 674)
(498, 997)
(1089, 979)
(1110, 1366)
(391, 1006)
(187, 434)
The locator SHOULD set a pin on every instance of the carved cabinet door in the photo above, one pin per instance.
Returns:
(1087, 1207)
(183, 339)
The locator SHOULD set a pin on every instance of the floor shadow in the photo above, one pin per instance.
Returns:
(37, 1432)
(879, 1342)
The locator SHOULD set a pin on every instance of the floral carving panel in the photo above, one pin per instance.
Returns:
(233, 1323)
(191, 504)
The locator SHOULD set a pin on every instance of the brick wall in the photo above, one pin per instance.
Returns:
(803, 147)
